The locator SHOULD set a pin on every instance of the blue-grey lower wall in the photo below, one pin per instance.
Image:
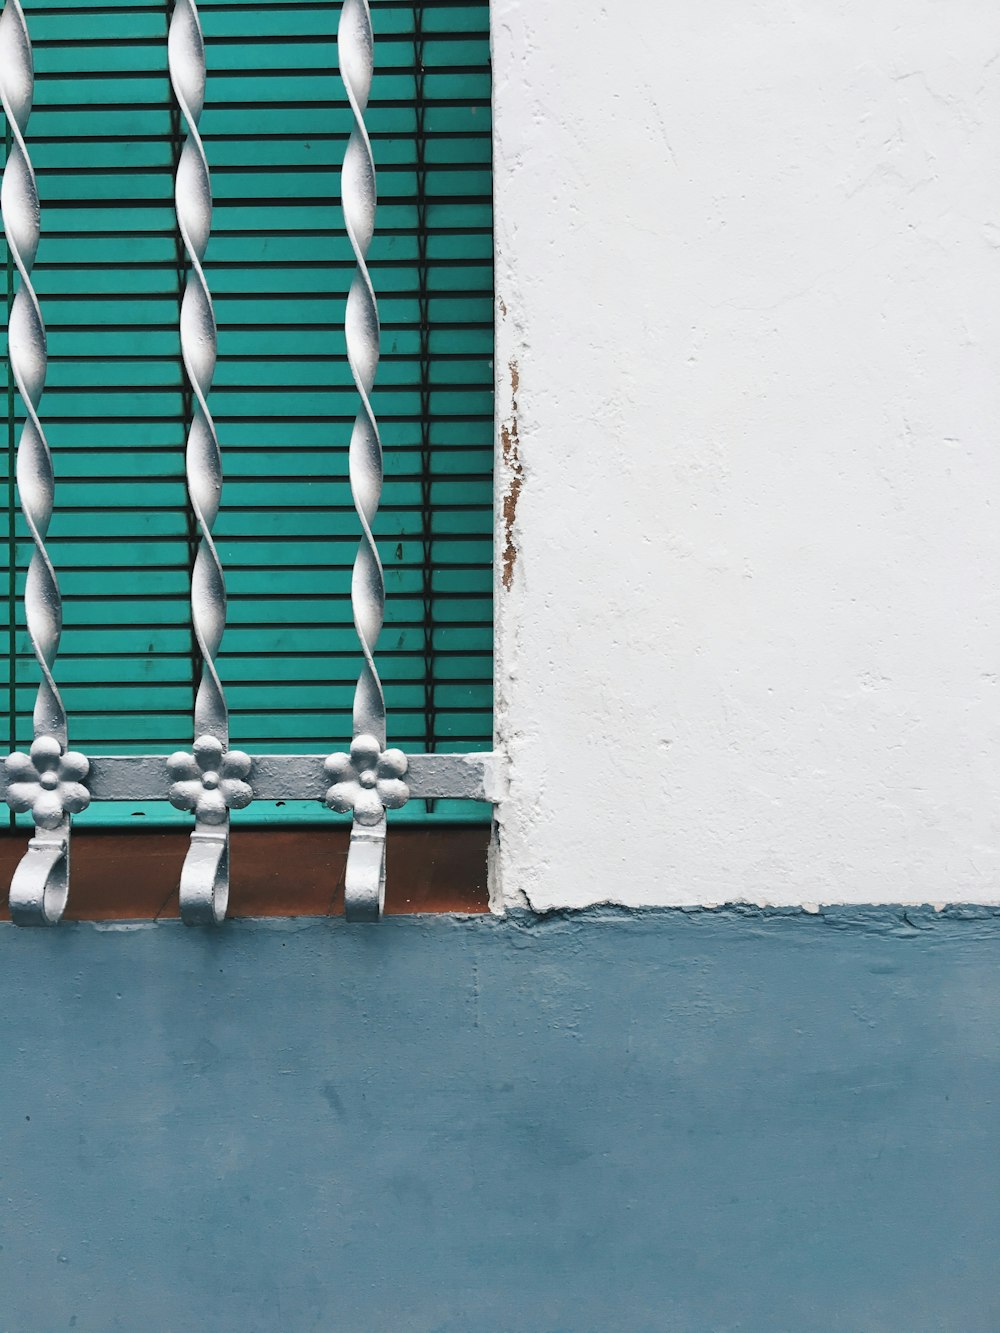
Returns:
(663, 1121)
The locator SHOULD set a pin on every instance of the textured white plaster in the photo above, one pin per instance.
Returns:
(748, 272)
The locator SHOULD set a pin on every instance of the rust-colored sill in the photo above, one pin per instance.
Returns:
(133, 876)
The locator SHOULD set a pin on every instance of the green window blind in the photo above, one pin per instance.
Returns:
(104, 139)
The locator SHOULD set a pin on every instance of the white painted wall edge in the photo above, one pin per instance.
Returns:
(748, 549)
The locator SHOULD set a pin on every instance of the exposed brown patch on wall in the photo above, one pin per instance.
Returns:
(510, 442)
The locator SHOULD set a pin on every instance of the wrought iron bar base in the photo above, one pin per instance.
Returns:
(39, 890)
(40, 887)
(364, 881)
(205, 877)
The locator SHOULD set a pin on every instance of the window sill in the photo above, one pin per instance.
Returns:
(134, 875)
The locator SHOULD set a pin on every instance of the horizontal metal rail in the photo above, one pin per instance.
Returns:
(290, 777)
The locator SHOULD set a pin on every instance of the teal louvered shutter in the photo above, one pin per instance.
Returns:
(104, 139)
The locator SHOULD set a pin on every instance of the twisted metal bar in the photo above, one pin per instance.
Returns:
(193, 198)
(365, 876)
(205, 879)
(40, 885)
(355, 45)
(28, 360)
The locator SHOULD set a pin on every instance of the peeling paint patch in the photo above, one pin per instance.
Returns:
(510, 442)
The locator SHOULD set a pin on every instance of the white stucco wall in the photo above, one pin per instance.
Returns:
(748, 273)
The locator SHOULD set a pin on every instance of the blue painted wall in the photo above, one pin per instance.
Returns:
(664, 1121)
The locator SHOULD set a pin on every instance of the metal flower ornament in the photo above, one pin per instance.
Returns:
(368, 781)
(211, 782)
(48, 781)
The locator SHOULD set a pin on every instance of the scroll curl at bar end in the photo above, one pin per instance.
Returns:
(39, 890)
(364, 881)
(205, 877)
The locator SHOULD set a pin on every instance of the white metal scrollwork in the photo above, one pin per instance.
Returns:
(368, 781)
(205, 879)
(49, 781)
(211, 780)
(37, 783)
(356, 50)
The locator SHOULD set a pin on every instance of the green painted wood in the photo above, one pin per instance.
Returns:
(279, 264)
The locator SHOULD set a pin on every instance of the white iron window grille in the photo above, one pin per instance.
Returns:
(54, 782)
